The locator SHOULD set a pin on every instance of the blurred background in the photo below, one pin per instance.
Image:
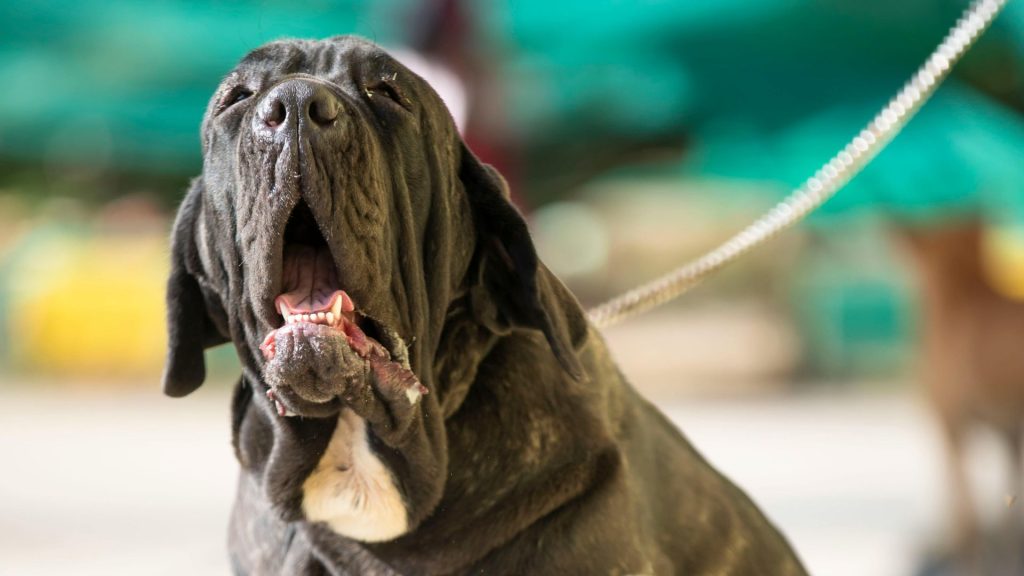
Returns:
(862, 376)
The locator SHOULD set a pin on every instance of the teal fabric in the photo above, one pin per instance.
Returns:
(962, 153)
(768, 90)
(763, 90)
(127, 81)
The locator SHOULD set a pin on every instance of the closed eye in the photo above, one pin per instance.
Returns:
(386, 87)
(233, 96)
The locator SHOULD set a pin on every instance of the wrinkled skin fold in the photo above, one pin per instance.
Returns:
(461, 412)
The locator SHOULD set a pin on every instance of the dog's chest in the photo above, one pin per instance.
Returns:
(351, 490)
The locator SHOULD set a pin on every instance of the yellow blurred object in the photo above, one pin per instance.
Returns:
(1003, 257)
(90, 306)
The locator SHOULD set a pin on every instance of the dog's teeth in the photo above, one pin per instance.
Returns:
(336, 306)
(328, 317)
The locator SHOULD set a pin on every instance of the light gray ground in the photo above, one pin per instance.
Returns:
(124, 483)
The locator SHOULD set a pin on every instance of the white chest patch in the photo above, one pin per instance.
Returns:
(351, 490)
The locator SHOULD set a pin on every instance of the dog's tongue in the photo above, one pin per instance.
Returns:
(309, 278)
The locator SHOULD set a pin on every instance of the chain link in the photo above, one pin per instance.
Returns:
(825, 182)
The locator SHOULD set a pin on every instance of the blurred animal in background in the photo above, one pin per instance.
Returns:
(420, 394)
(972, 365)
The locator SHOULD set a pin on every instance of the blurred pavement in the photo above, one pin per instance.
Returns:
(123, 483)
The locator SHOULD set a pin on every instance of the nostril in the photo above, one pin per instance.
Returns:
(298, 103)
(323, 111)
(275, 114)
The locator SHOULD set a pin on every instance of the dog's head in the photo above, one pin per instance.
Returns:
(338, 216)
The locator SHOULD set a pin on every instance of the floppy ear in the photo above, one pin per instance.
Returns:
(189, 327)
(526, 293)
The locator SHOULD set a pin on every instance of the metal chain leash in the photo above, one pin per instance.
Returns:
(825, 182)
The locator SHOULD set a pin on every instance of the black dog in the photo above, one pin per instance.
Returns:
(420, 395)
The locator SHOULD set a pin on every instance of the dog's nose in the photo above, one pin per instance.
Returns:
(310, 104)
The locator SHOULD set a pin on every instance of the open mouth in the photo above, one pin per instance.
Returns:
(314, 308)
(310, 284)
(311, 294)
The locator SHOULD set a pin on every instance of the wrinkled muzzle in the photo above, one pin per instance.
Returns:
(305, 278)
